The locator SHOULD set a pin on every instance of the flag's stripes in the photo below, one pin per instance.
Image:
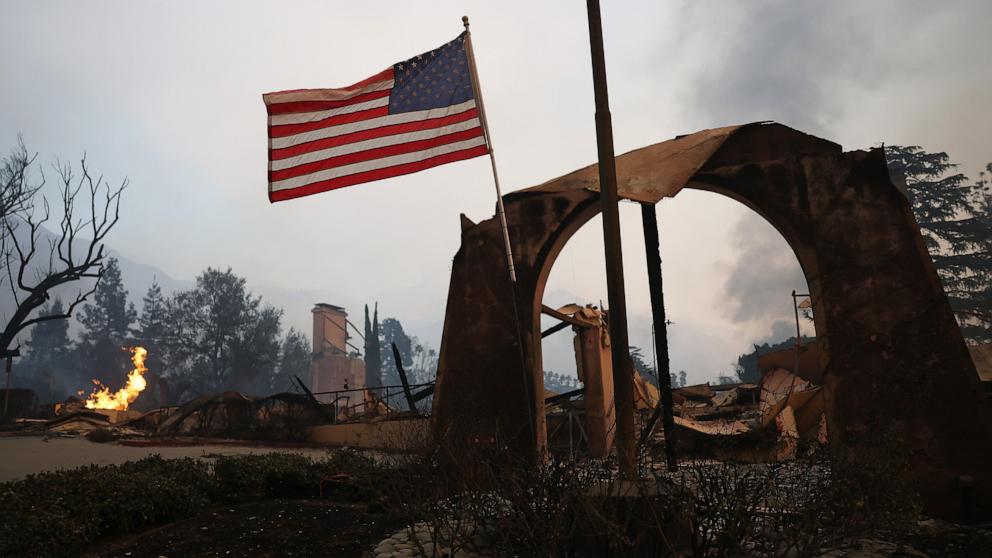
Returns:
(355, 146)
(295, 95)
(377, 174)
(343, 162)
(368, 124)
(370, 100)
(419, 114)
(331, 122)
(362, 135)
(380, 163)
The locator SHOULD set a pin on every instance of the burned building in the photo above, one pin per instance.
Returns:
(892, 357)
(333, 368)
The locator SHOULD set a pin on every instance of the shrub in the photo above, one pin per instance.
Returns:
(60, 513)
(245, 478)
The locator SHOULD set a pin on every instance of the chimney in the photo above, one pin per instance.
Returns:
(330, 332)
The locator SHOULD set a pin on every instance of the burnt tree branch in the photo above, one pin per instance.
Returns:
(35, 277)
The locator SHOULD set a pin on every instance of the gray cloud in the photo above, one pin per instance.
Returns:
(177, 109)
(763, 275)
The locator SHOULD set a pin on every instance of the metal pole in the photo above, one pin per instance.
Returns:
(623, 384)
(652, 249)
(6, 393)
(799, 343)
(489, 144)
(533, 401)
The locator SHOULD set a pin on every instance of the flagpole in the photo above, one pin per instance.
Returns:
(489, 145)
(528, 380)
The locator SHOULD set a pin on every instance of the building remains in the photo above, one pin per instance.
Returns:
(893, 361)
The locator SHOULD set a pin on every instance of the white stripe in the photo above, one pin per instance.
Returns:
(301, 117)
(374, 143)
(323, 94)
(403, 117)
(374, 164)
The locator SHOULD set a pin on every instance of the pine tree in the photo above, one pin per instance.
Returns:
(956, 224)
(152, 327)
(110, 315)
(48, 358)
(107, 328)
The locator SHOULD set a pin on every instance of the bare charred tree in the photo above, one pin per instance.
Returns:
(31, 266)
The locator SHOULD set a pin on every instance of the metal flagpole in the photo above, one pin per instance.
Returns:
(489, 144)
(502, 221)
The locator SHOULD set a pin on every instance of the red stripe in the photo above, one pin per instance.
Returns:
(387, 74)
(362, 135)
(331, 121)
(312, 106)
(378, 174)
(376, 153)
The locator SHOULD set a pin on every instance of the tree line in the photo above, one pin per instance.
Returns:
(214, 336)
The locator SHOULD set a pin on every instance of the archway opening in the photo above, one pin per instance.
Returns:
(728, 275)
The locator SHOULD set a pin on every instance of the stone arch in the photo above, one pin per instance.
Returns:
(892, 354)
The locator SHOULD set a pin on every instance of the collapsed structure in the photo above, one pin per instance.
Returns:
(893, 361)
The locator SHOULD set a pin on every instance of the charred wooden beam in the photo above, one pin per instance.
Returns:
(406, 385)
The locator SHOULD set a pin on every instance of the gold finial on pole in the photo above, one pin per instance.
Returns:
(465, 22)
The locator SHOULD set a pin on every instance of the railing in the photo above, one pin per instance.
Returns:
(342, 398)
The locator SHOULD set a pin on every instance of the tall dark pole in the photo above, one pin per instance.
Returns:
(623, 382)
(652, 249)
(6, 392)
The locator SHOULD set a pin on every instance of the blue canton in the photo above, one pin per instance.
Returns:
(435, 79)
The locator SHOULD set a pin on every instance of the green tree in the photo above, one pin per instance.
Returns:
(152, 327)
(294, 360)
(424, 369)
(391, 331)
(107, 328)
(48, 361)
(220, 336)
(373, 350)
(560, 383)
(746, 367)
(956, 224)
(642, 366)
(256, 350)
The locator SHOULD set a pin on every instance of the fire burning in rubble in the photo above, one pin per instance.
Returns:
(103, 399)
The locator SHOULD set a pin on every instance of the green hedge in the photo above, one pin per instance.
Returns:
(61, 513)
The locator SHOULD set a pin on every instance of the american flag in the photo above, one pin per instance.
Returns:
(418, 114)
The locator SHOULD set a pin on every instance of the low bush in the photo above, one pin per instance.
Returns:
(60, 513)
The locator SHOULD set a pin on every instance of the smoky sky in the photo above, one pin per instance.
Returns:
(169, 95)
(860, 73)
(761, 279)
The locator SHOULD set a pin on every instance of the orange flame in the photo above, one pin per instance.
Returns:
(103, 399)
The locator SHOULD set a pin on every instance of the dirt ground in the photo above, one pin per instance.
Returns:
(271, 528)
(23, 455)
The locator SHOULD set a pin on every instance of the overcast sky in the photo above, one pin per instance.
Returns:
(169, 94)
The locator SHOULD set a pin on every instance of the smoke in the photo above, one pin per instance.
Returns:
(859, 72)
(760, 281)
(855, 72)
